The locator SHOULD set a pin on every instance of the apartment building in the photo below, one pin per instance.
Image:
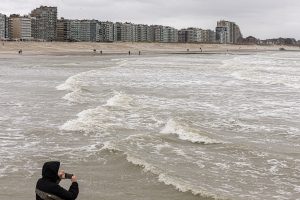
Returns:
(3, 27)
(107, 32)
(227, 32)
(189, 35)
(170, 34)
(156, 33)
(46, 22)
(143, 33)
(196, 35)
(63, 32)
(125, 32)
(83, 30)
(19, 27)
(208, 36)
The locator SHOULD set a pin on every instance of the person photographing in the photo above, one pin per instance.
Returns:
(48, 188)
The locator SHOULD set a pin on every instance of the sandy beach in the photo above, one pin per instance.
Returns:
(86, 48)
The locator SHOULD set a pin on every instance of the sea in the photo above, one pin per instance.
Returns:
(161, 127)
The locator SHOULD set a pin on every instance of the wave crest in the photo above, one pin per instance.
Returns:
(163, 177)
(185, 133)
(119, 100)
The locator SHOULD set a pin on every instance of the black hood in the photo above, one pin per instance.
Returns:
(50, 171)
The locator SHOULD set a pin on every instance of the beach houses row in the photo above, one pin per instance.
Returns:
(42, 24)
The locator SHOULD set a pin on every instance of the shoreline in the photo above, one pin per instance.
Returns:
(123, 48)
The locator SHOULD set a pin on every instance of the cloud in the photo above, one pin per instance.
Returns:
(260, 18)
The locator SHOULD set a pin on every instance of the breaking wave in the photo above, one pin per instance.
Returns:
(77, 86)
(186, 133)
(119, 100)
(163, 177)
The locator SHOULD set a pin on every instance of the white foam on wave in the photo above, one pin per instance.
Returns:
(179, 184)
(72, 83)
(119, 100)
(88, 120)
(187, 134)
(77, 85)
(276, 165)
(76, 97)
(183, 186)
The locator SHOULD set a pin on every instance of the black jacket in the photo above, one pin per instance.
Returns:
(49, 183)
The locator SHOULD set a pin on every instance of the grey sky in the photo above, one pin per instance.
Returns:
(260, 18)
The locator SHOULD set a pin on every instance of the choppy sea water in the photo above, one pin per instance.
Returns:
(153, 127)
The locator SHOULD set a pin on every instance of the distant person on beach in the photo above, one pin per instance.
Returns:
(48, 188)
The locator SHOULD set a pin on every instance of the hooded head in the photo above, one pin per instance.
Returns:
(50, 171)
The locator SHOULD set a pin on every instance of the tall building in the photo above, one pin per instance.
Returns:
(125, 32)
(189, 35)
(170, 35)
(75, 30)
(142, 33)
(227, 32)
(3, 27)
(19, 27)
(196, 35)
(95, 31)
(63, 30)
(107, 32)
(208, 36)
(84, 30)
(46, 18)
(156, 33)
(222, 35)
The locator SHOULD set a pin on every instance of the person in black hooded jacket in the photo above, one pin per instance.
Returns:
(49, 183)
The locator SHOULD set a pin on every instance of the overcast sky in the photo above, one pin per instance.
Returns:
(259, 18)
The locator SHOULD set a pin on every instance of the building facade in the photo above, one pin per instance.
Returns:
(82, 30)
(189, 35)
(19, 27)
(63, 32)
(196, 35)
(208, 36)
(3, 27)
(46, 23)
(143, 33)
(107, 32)
(228, 32)
(125, 32)
(170, 34)
(156, 33)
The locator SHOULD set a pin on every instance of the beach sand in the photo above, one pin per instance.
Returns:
(87, 48)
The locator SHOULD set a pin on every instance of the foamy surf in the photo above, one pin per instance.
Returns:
(187, 134)
(87, 121)
(77, 85)
(120, 99)
(73, 83)
(162, 175)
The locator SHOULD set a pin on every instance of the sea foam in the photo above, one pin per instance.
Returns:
(119, 100)
(187, 134)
